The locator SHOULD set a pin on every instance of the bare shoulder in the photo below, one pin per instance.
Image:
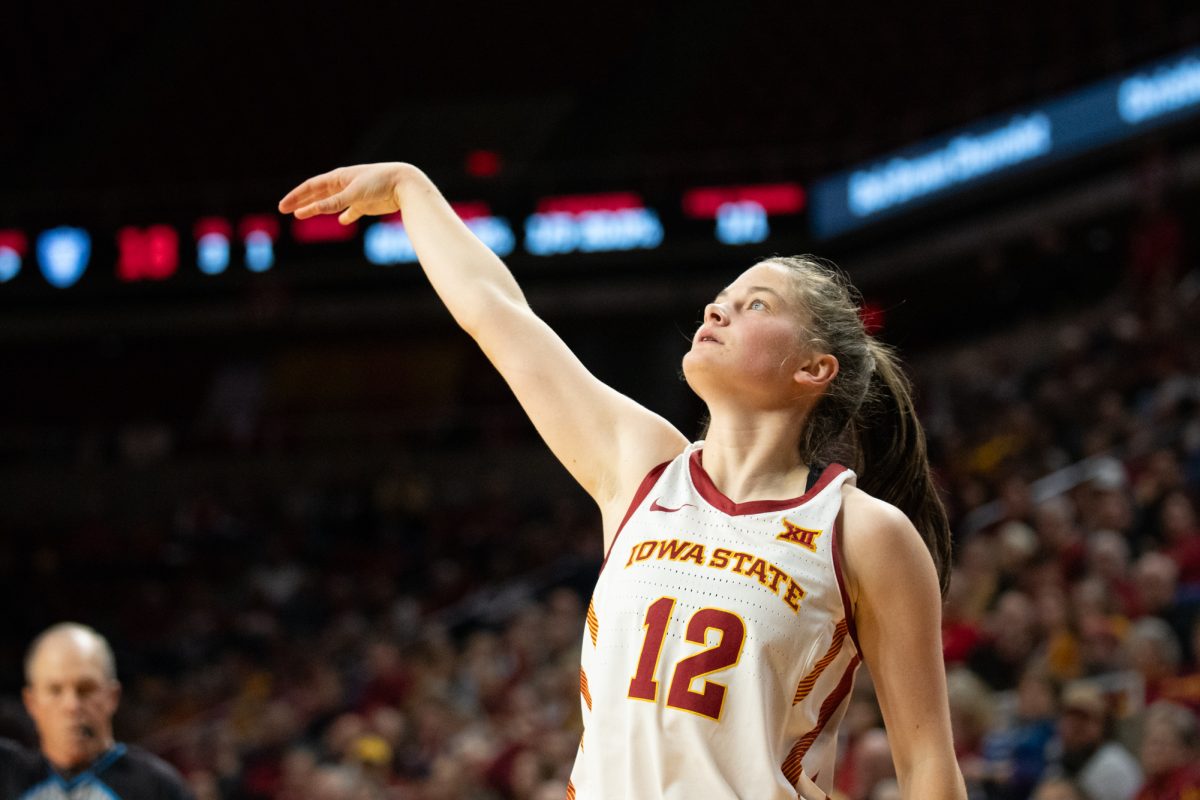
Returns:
(637, 466)
(880, 545)
(869, 523)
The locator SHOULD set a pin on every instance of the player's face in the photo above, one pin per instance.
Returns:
(752, 340)
(71, 701)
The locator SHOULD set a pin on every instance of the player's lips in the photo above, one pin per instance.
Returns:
(706, 335)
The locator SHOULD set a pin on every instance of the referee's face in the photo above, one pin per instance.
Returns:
(71, 700)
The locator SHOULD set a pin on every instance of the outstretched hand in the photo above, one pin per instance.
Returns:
(350, 192)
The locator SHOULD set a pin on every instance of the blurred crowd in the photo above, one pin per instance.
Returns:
(417, 638)
(400, 640)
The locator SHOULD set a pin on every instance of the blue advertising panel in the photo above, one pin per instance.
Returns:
(1103, 113)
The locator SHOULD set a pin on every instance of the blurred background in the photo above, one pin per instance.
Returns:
(331, 554)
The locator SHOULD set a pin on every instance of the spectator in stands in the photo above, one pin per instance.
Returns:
(1184, 689)
(1101, 643)
(972, 711)
(1170, 753)
(1016, 752)
(1108, 505)
(1181, 533)
(960, 630)
(1157, 476)
(1085, 752)
(1060, 536)
(1011, 638)
(1108, 560)
(1157, 581)
(873, 762)
(1060, 645)
(1155, 653)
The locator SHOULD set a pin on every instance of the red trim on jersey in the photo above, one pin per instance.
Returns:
(792, 764)
(791, 767)
(805, 687)
(640, 495)
(847, 607)
(709, 491)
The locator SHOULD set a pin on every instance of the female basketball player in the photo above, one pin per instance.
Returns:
(746, 576)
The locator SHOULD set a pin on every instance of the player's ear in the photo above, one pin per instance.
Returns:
(816, 370)
(30, 701)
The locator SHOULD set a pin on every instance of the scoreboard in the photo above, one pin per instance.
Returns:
(221, 249)
(213, 247)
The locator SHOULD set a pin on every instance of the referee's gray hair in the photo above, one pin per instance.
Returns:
(107, 662)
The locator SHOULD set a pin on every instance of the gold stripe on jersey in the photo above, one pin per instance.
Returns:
(791, 765)
(810, 680)
(583, 688)
(570, 790)
(593, 622)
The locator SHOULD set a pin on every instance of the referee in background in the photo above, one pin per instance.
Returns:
(71, 692)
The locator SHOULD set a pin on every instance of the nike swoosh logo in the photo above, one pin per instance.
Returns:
(654, 506)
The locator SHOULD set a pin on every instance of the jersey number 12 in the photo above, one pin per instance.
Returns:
(708, 701)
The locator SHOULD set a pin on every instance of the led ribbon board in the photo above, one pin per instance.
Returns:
(598, 223)
(12, 251)
(1106, 112)
(741, 212)
(386, 242)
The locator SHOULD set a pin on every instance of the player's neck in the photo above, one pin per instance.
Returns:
(755, 457)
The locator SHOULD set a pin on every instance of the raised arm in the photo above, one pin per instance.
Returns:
(606, 441)
(897, 611)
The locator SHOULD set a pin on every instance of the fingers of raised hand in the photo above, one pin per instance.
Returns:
(314, 189)
(350, 215)
(327, 205)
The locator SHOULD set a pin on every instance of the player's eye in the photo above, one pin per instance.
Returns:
(757, 305)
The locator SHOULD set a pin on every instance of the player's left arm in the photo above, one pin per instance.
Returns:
(897, 608)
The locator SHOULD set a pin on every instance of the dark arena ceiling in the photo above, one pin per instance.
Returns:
(143, 108)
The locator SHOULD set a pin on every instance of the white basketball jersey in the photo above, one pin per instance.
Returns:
(718, 655)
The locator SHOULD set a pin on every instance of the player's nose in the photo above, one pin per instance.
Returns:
(716, 314)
